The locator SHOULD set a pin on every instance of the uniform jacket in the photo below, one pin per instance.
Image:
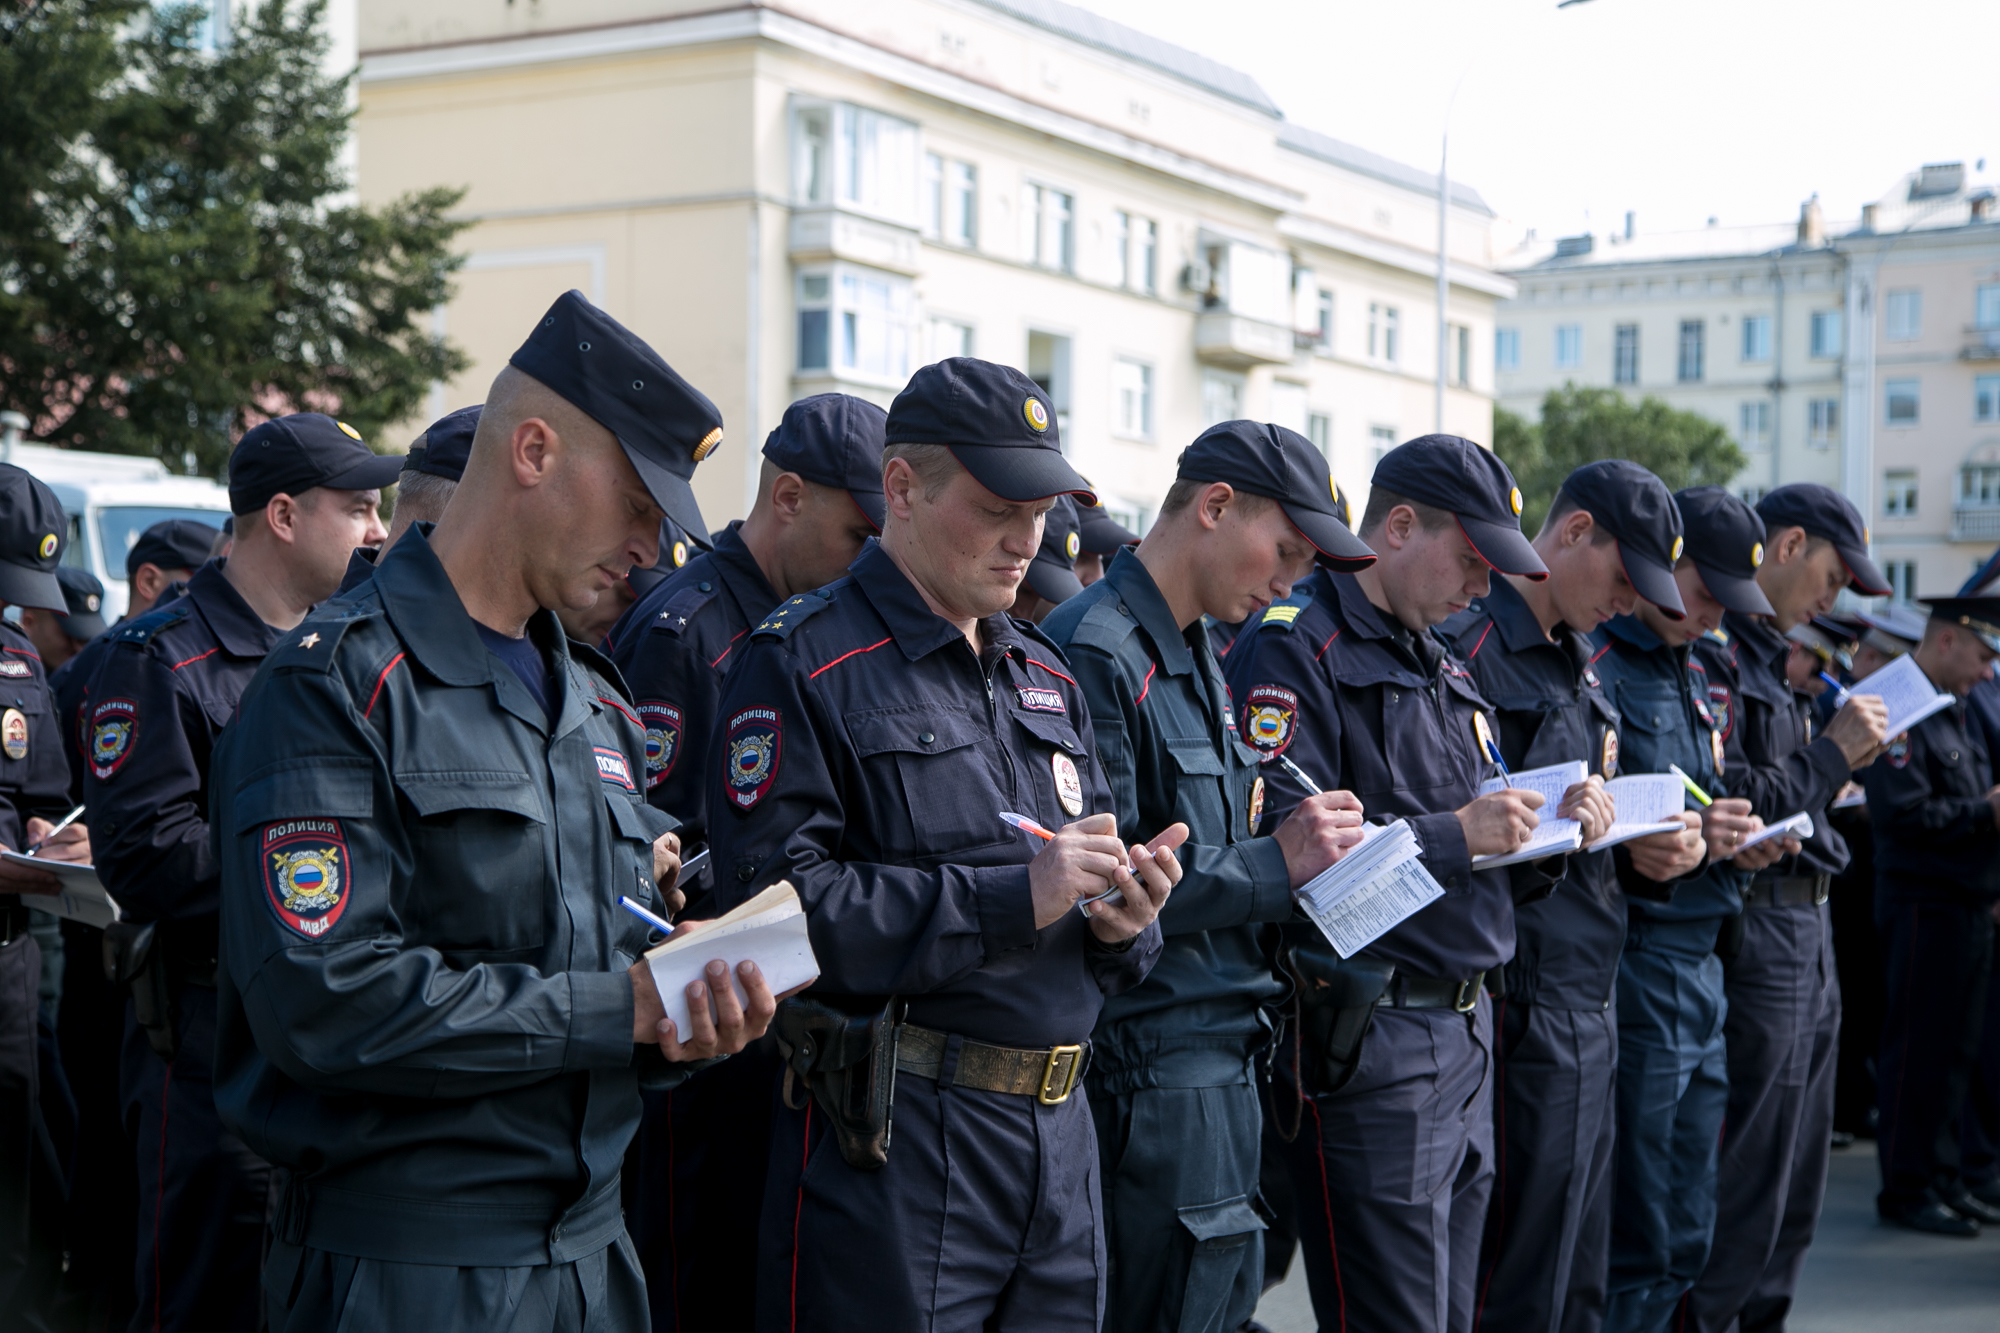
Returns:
(1772, 757)
(34, 772)
(1552, 709)
(1934, 834)
(1167, 738)
(70, 684)
(864, 753)
(424, 1013)
(1661, 695)
(1360, 703)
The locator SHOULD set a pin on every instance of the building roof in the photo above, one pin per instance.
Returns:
(1329, 149)
(1093, 30)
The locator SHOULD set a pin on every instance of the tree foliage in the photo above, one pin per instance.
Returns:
(1580, 426)
(180, 255)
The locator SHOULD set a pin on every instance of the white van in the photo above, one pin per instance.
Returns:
(111, 499)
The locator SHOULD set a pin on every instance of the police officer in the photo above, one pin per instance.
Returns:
(1099, 538)
(305, 489)
(1392, 1159)
(1051, 579)
(61, 635)
(33, 783)
(695, 1186)
(1171, 1088)
(1936, 814)
(425, 819)
(1784, 997)
(1610, 540)
(1672, 1081)
(431, 472)
(865, 750)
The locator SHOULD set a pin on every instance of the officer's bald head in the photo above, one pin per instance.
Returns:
(517, 398)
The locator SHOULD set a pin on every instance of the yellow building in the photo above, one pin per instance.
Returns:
(829, 194)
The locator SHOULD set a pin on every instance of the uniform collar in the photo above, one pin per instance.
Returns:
(1134, 582)
(1519, 629)
(741, 573)
(1632, 630)
(239, 629)
(1356, 611)
(1758, 638)
(918, 630)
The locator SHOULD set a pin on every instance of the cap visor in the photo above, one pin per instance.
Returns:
(1020, 474)
(1104, 536)
(32, 587)
(1503, 547)
(672, 493)
(1337, 548)
(1735, 592)
(1052, 582)
(1656, 584)
(369, 475)
(873, 506)
(1868, 580)
(86, 626)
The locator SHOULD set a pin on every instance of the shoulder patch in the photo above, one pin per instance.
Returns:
(113, 726)
(310, 645)
(305, 873)
(1270, 716)
(663, 739)
(1285, 612)
(682, 607)
(751, 747)
(145, 627)
(781, 622)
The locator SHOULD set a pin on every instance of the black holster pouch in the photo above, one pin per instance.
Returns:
(1337, 998)
(132, 958)
(1729, 940)
(848, 1063)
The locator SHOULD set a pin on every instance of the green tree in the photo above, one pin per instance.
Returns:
(1580, 426)
(179, 252)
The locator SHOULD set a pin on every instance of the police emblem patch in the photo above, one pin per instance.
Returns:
(17, 670)
(1040, 700)
(1718, 704)
(612, 768)
(751, 753)
(305, 874)
(1898, 753)
(1270, 715)
(113, 725)
(1069, 786)
(1256, 805)
(663, 740)
(14, 734)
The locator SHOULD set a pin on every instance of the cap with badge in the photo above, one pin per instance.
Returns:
(674, 551)
(445, 445)
(834, 440)
(1636, 508)
(1099, 533)
(1826, 640)
(664, 424)
(1893, 631)
(1725, 538)
(291, 455)
(84, 596)
(1280, 464)
(1825, 512)
(170, 544)
(33, 529)
(1981, 615)
(1052, 573)
(1452, 473)
(997, 422)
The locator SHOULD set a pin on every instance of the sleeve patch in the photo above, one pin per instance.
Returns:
(114, 724)
(613, 769)
(1719, 706)
(1270, 717)
(663, 740)
(751, 749)
(305, 873)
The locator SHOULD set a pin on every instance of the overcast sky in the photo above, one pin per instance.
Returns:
(1681, 110)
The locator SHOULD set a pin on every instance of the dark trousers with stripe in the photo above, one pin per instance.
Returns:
(1392, 1174)
(1980, 1123)
(201, 1190)
(1543, 1258)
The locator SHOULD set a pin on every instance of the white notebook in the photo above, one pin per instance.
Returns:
(82, 898)
(768, 930)
(1905, 691)
(1377, 886)
(1553, 836)
(1800, 826)
(1642, 804)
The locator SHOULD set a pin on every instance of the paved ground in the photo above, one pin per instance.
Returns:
(1861, 1277)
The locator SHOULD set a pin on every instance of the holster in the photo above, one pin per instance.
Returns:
(848, 1063)
(1729, 940)
(1337, 998)
(131, 959)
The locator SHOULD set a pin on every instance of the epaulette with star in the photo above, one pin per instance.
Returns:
(681, 608)
(310, 645)
(146, 626)
(787, 617)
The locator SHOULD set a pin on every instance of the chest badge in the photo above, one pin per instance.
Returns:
(1898, 753)
(753, 743)
(14, 734)
(113, 724)
(1610, 767)
(1715, 745)
(613, 770)
(1256, 805)
(1482, 732)
(1069, 787)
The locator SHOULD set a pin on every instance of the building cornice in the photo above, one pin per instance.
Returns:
(1333, 236)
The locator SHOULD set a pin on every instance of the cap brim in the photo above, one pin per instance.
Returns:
(1052, 582)
(87, 625)
(1503, 547)
(32, 587)
(1104, 536)
(1736, 593)
(1334, 545)
(1655, 583)
(1868, 580)
(1019, 475)
(671, 493)
(874, 506)
(368, 475)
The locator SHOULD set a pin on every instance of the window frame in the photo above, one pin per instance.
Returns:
(1567, 350)
(1985, 398)
(1506, 349)
(1889, 398)
(1035, 194)
(1903, 315)
(1899, 493)
(842, 326)
(1755, 340)
(1625, 354)
(1691, 362)
(1827, 336)
(1148, 388)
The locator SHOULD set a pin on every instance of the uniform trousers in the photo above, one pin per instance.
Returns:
(1940, 955)
(1392, 1174)
(1183, 1242)
(315, 1291)
(102, 1221)
(1782, 1032)
(986, 1217)
(201, 1190)
(1542, 1259)
(1673, 1090)
(1980, 1123)
(31, 1163)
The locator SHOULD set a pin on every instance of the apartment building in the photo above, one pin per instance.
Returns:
(789, 199)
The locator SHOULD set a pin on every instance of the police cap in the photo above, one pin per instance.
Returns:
(1635, 507)
(1981, 615)
(1984, 580)
(33, 530)
(1263, 459)
(1451, 473)
(444, 446)
(1725, 539)
(664, 424)
(1101, 534)
(172, 543)
(84, 596)
(675, 551)
(997, 423)
(1825, 512)
(834, 440)
(291, 455)
(1893, 630)
(1052, 573)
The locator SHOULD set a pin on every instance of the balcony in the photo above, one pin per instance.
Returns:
(1222, 338)
(1981, 345)
(835, 233)
(1976, 523)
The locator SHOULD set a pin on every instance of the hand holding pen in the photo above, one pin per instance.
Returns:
(1081, 858)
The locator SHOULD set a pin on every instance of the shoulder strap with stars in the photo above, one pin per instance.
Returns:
(310, 646)
(145, 627)
(781, 622)
(681, 608)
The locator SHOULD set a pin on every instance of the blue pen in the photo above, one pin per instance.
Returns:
(1841, 692)
(659, 923)
(1493, 751)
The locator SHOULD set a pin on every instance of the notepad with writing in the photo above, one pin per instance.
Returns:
(1798, 826)
(1553, 836)
(768, 930)
(1642, 804)
(82, 897)
(1905, 691)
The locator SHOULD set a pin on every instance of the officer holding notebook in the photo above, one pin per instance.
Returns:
(1386, 1091)
(1610, 540)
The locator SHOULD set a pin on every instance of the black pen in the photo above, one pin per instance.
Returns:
(67, 820)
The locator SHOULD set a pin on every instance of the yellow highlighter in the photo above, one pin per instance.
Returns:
(1689, 783)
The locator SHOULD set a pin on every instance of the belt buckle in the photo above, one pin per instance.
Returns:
(1468, 995)
(1067, 1078)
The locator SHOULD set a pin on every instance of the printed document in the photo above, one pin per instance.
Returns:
(1643, 804)
(1377, 886)
(1905, 691)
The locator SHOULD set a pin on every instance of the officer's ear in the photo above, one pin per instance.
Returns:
(788, 495)
(1788, 545)
(900, 486)
(1576, 528)
(1214, 502)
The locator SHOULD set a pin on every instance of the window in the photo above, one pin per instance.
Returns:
(1121, 240)
(1048, 366)
(1132, 382)
(1323, 318)
(961, 203)
(1464, 353)
(1149, 256)
(1753, 495)
(1048, 227)
(1822, 422)
(1381, 440)
(933, 195)
(949, 337)
(1506, 349)
(1902, 577)
(1826, 334)
(1319, 429)
(1906, 315)
(1979, 487)
(1384, 325)
(1625, 354)
(854, 321)
(1221, 398)
(1986, 398)
(1754, 424)
(1899, 494)
(815, 320)
(1693, 338)
(852, 156)
(812, 154)
(1756, 337)
(1569, 346)
(1986, 306)
(1138, 243)
(1899, 398)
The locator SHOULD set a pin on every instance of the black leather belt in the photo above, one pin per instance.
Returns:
(1048, 1075)
(1409, 991)
(1788, 891)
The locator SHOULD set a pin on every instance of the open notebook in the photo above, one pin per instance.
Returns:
(1375, 887)
(768, 930)
(1553, 836)
(1905, 691)
(82, 898)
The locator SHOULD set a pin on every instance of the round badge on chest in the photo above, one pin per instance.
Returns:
(1069, 787)
(14, 734)
(1715, 747)
(1483, 733)
(1610, 769)
(1256, 805)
